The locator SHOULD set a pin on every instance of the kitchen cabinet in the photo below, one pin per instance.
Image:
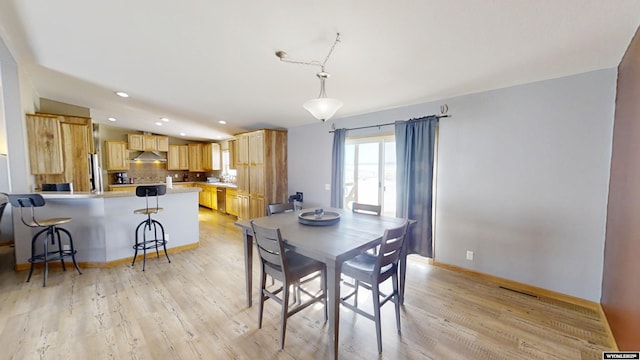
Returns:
(261, 171)
(147, 142)
(135, 142)
(195, 157)
(231, 202)
(116, 155)
(232, 154)
(211, 159)
(53, 136)
(178, 157)
(45, 144)
(208, 196)
(162, 143)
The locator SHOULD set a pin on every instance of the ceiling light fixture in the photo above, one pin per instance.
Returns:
(222, 122)
(183, 134)
(158, 123)
(322, 108)
(112, 119)
(122, 94)
(164, 119)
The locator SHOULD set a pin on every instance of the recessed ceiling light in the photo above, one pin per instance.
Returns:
(112, 119)
(183, 134)
(222, 122)
(158, 123)
(122, 94)
(219, 137)
(164, 119)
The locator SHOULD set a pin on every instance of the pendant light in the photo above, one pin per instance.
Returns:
(322, 108)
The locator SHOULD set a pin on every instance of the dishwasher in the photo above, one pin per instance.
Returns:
(222, 194)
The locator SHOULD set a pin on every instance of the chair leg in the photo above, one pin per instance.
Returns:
(46, 262)
(323, 279)
(135, 247)
(56, 234)
(376, 311)
(396, 299)
(144, 243)
(355, 295)
(73, 250)
(164, 241)
(33, 252)
(263, 280)
(285, 311)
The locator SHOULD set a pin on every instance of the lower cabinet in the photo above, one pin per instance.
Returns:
(232, 202)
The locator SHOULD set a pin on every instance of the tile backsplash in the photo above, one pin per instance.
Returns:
(152, 173)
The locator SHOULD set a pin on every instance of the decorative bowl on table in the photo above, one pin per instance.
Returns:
(318, 217)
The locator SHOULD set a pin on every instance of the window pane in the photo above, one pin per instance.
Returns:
(389, 204)
(368, 178)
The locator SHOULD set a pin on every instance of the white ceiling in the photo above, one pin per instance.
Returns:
(201, 61)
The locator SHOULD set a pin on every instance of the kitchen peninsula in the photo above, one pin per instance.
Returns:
(104, 223)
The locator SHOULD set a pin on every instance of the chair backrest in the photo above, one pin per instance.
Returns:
(366, 208)
(27, 201)
(151, 190)
(391, 246)
(270, 247)
(279, 208)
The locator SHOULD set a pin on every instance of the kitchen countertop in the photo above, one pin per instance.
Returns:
(218, 184)
(109, 194)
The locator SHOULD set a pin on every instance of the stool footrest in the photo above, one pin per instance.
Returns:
(150, 244)
(53, 256)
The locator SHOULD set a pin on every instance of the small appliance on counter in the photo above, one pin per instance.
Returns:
(120, 178)
(211, 180)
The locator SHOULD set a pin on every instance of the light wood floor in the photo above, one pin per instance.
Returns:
(194, 308)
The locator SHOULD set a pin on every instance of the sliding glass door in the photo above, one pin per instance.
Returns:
(370, 172)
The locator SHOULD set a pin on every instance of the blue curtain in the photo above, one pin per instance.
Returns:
(337, 169)
(415, 141)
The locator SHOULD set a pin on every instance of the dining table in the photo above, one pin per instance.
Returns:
(332, 242)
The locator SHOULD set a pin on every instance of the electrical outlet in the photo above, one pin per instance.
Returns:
(166, 237)
(66, 247)
(469, 255)
(327, 186)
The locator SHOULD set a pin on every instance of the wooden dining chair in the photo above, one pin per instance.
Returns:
(366, 208)
(279, 208)
(288, 267)
(369, 271)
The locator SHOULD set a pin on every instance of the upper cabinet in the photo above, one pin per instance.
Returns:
(135, 142)
(45, 144)
(195, 157)
(178, 157)
(145, 142)
(117, 156)
(211, 157)
(58, 149)
(232, 154)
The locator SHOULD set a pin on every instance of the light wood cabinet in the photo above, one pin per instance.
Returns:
(178, 157)
(231, 202)
(146, 142)
(162, 143)
(195, 158)
(59, 148)
(45, 144)
(211, 157)
(135, 142)
(232, 154)
(116, 155)
(261, 171)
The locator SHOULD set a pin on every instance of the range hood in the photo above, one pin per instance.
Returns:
(149, 156)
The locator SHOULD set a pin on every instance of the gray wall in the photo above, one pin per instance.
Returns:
(522, 178)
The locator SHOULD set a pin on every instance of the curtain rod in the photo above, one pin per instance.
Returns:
(387, 124)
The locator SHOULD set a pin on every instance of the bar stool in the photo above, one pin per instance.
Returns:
(50, 228)
(154, 243)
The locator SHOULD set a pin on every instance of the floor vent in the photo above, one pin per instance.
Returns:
(519, 292)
